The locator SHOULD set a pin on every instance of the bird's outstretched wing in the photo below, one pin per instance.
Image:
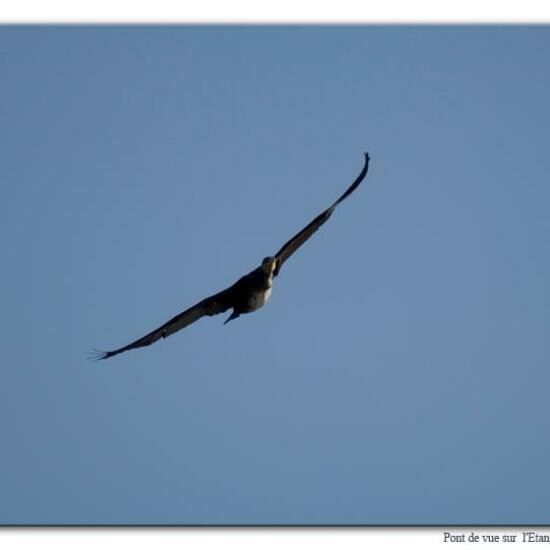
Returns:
(218, 303)
(298, 240)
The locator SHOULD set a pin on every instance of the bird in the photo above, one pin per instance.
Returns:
(247, 294)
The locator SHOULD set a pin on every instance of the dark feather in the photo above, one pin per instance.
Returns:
(218, 303)
(300, 238)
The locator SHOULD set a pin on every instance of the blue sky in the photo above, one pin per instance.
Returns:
(400, 372)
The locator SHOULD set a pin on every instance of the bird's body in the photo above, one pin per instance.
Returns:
(249, 293)
(252, 291)
(255, 291)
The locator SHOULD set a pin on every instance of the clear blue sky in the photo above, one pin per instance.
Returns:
(400, 372)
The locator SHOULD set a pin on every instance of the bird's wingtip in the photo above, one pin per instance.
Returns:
(97, 354)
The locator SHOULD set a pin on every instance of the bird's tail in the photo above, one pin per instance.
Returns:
(233, 315)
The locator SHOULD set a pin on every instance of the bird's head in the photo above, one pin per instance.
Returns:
(269, 264)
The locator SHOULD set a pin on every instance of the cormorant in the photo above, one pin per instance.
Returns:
(249, 293)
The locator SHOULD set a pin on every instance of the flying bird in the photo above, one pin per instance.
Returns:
(249, 293)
